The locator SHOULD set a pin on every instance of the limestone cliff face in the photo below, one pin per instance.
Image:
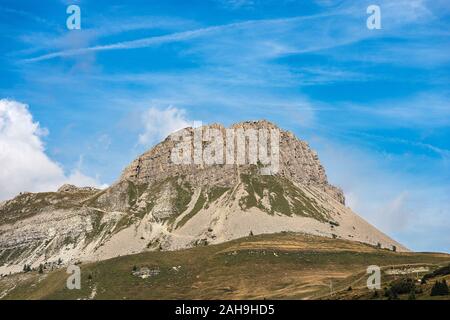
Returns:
(159, 205)
(297, 162)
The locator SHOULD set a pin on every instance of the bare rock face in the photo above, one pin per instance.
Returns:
(159, 205)
(67, 188)
(298, 163)
(72, 188)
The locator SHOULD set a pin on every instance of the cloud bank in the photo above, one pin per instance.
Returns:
(24, 165)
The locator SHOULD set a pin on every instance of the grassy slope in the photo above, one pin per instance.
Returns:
(267, 266)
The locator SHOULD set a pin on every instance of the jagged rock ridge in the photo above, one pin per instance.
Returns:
(298, 163)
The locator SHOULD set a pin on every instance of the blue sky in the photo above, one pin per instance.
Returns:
(79, 105)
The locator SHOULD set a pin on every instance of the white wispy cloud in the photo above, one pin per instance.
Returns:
(422, 110)
(311, 36)
(182, 36)
(236, 4)
(62, 40)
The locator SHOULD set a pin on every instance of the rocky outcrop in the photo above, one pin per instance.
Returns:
(72, 188)
(298, 163)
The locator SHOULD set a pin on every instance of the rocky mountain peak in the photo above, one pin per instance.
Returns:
(297, 161)
(161, 205)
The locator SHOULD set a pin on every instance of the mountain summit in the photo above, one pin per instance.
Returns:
(160, 205)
